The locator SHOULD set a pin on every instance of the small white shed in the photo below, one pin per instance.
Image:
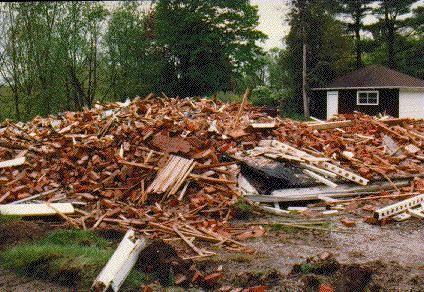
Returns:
(372, 90)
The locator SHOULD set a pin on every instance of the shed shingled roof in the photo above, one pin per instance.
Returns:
(375, 76)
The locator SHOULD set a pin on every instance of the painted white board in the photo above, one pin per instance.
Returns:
(332, 103)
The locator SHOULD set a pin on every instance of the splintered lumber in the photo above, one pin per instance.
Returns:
(172, 176)
(320, 178)
(314, 193)
(318, 162)
(342, 172)
(319, 170)
(270, 125)
(330, 125)
(242, 105)
(273, 211)
(36, 209)
(35, 196)
(417, 212)
(120, 264)
(399, 207)
(13, 162)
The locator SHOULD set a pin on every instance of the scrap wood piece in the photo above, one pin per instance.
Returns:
(402, 217)
(36, 209)
(320, 178)
(12, 162)
(342, 172)
(318, 162)
(35, 196)
(399, 207)
(388, 130)
(172, 176)
(311, 194)
(185, 172)
(319, 170)
(417, 212)
(371, 198)
(120, 264)
(269, 125)
(189, 243)
(322, 125)
(242, 105)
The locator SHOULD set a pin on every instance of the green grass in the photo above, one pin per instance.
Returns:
(293, 116)
(9, 218)
(242, 209)
(68, 257)
(306, 268)
(283, 227)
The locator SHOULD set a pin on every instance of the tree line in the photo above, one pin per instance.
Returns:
(59, 56)
(343, 35)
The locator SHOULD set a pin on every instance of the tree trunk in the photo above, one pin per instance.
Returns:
(16, 101)
(304, 84)
(358, 48)
(390, 39)
(79, 100)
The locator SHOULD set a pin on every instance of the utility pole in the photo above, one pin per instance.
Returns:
(304, 55)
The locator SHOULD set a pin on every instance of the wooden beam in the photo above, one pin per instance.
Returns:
(36, 209)
(331, 125)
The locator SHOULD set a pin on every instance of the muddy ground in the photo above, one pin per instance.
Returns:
(363, 258)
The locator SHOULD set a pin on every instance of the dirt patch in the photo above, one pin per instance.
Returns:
(15, 232)
(373, 276)
(161, 259)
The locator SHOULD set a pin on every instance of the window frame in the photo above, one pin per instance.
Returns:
(367, 92)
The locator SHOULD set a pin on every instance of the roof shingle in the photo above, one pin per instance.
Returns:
(376, 76)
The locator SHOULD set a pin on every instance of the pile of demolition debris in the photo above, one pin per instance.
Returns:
(174, 168)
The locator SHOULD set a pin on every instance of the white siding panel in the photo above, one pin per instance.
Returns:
(411, 103)
(332, 103)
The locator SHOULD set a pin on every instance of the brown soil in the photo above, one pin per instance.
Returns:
(375, 257)
(15, 232)
(369, 257)
(162, 260)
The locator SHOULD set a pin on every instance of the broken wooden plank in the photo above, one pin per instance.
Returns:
(331, 125)
(311, 194)
(36, 196)
(172, 176)
(270, 125)
(36, 209)
(417, 212)
(120, 264)
(319, 178)
(402, 217)
(319, 170)
(316, 161)
(399, 207)
(342, 172)
(12, 162)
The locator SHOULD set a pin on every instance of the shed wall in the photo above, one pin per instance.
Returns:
(411, 103)
(388, 102)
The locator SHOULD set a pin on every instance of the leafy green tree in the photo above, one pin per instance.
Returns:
(390, 22)
(210, 42)
(328, 53)
(355, 11)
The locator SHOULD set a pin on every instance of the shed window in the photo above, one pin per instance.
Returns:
(367, 98)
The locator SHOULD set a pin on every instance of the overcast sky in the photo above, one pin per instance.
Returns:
(272, 18)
